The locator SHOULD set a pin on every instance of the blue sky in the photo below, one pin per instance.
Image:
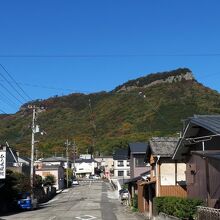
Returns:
(57, 47)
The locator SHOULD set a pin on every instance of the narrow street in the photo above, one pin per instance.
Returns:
(90, 200)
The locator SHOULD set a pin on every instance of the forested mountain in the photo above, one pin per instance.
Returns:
(153, 105)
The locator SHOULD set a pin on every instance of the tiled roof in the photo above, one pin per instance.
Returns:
(163, 146)
(138, 147)
(209, 122)
(192, 128)
(82, 160)
(120, 154)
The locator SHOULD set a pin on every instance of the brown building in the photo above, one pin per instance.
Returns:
(166, 176)
(199, 147)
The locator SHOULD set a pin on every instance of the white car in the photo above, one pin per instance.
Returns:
(75, 182)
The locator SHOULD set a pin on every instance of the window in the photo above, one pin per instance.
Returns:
(139, 161)
(120, 163)
(128, 172)
(128, 163)
(120, 173)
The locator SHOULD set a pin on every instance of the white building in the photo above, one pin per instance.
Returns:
(121, 165)
(85, 167)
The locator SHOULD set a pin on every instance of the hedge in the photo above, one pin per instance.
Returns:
(179, 207)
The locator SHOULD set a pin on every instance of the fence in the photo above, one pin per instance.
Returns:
(205, 213)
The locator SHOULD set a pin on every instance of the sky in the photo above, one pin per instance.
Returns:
(58, 47)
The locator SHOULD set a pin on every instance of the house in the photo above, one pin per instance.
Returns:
(136, 155)
(85, 167)
(166, 177)
(121, 165)
(16, 163)
(199, 147)
(105, 165)
(57, 171)
(61, 161)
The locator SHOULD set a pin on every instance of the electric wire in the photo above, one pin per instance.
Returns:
(109, 55)
(7, 101)
(9, 92)
(12, 86)
(3, 112)
(10, 76)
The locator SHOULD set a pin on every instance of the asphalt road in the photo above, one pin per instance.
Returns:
(88, 201)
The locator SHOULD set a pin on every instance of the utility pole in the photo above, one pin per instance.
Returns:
(92, 121)
(74, 159)
(32, 149)
(34, 129)
(67, 143)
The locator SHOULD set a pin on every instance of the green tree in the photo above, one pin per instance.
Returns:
(38, 181)
(49, 180)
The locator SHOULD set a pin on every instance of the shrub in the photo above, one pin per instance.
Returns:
(178, 207)
(49, 180)
(135, 203)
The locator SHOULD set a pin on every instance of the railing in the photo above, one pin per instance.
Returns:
(205, 213)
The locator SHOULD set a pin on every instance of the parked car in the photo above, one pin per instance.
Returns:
(75, 183)
(95, 177)
(123, 193)
(25, 202)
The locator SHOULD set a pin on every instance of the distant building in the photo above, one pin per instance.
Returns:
(62, 161)
(121, 165)
(105, 164)
(56, 170)
(85, 167)
(136, 155)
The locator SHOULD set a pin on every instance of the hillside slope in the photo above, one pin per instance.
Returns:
(113, 118)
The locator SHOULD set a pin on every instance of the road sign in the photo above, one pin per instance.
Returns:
(2, 164)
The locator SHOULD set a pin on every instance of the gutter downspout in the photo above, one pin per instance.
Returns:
(157, 176)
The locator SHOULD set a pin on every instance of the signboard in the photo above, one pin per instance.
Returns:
(2, 164)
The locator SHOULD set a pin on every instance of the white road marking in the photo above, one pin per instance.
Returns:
(52, 218)
(86, 217)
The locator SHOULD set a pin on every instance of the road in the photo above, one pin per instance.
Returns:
(90, 200)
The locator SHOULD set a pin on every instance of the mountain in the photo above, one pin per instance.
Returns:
(153, 105)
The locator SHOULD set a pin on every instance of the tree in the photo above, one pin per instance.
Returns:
(38, 181)
(49, 180)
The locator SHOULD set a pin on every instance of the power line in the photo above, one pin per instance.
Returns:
(109, 55)
(9, 92)
(10, 76)
(11, 85)
(7, 100)
(3, 111)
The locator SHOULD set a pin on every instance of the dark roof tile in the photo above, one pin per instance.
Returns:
(163, 146)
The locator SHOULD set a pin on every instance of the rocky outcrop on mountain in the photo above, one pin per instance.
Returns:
(178, 75)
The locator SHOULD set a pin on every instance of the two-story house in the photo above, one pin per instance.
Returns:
(121, 165)
(85, 167)
(52, 166)
(136, 155)
(199, 147)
